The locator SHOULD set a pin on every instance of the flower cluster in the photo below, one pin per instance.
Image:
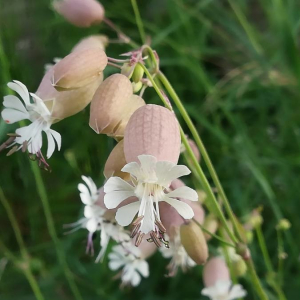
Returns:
(142, 205)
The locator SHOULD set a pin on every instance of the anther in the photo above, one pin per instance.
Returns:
(139, 238)
(160, 226)
(135, 230)
(155, 239)
(137, 220)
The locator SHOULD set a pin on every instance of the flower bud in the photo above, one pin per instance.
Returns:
(194, 243)
(284, 224)
(115, 162)
(112, 106)
(93, 41)
(138, 73)
(66, 103)
(214, 270)
(211, 224)
(78, 69)
(127, 70)
(239, 267)
(81, 13)
(152, 130)
(136, 86)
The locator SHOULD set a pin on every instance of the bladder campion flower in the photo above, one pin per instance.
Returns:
(218, 285)
(149, 180)
(33, 109)
(95, 218)
(130, 258)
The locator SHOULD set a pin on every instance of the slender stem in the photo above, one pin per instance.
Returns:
(139, 21)
(213, 235)
(51, 228)
(202, 149)
(263, 247)
(198, 168)
(114, 65)
(255, 280)
(122, 36)
(23, 265)
(272, 280)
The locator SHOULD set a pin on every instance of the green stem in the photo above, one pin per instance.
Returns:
(198, 168)
(51, 228)
(263, 247)
(202, 149)
(272, 279)
(23, 265)
(255, 280)
(138, 20)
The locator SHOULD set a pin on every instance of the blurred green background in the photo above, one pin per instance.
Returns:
(235, 64)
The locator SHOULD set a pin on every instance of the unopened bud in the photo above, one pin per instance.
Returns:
(127, 70)
(138, 73)
(215, 270)
(152, 130)
(93, 41)
(81, 13)
(115, 162)
(211, 224)
(112, 106)
(79, 69)
(194, 243)
(136, 86)
(239, 267)
(284, 224)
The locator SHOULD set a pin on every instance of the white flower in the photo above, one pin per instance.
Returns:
(129, 258)
(150, 182)
(224, 290)
(178, 255)
(94, 219)
(33, 109)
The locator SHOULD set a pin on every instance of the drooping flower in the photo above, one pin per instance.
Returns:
(33, 109)
(178, 255)
(95, 218)
(218, 285)
(129, 258)
(150, 180)
(224, 290)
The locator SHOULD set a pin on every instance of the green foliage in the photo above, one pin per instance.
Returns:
(235, 64)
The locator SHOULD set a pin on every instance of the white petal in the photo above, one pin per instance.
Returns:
(135, 279)
(92, 225)
(182, 208)
(117, 184)
(115, 264)
(184, 192)
(236, 292)
(88, 212)
(143, 268)
(57, 138)
(14, 102)
(21, 89)
(148, 221)
(104, 242)
(169, 175)
(11, 116)
(125, 214)
(51, 144)
(91, 184)
(132, 168)
(40, 103)
(148, 162)
(113, 199)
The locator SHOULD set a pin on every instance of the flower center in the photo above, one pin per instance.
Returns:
(148, 219)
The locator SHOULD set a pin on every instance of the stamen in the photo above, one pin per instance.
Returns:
(155, 239)
(138, 220)
(12, 150)
(160, 226)
(135, 230)
(139, 238)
